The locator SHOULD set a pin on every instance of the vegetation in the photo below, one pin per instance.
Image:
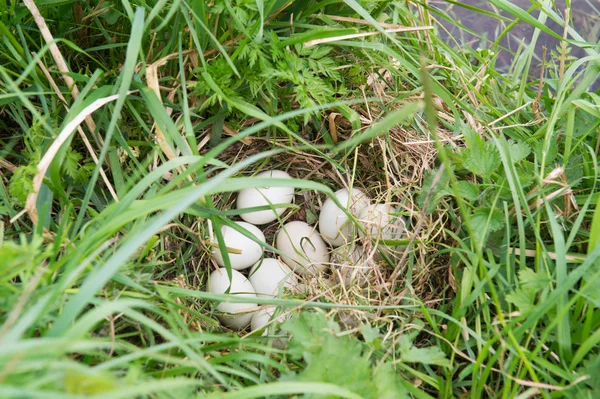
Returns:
(127, 127)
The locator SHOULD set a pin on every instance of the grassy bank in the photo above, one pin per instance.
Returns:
(127, 128)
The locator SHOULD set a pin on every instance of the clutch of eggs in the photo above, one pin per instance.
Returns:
(303, 249)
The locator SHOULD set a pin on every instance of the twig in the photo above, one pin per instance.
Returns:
(531, 253)
(7, 165)
(510, 113)
(56, 54)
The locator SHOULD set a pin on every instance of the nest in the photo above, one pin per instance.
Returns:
(390, 170)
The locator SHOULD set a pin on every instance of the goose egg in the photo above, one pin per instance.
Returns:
(334, 225)
(265, 196)
(218, 283)
(303, 248)
(268, 275)
(251, 251)
(380, 224)
(261, 318)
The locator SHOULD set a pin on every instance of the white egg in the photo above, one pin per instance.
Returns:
(268, 275)
(218, 283)
(260, 320)
(265, 196)
(302, 248)
(251, 251)
(334, 225)
(353, 264)
(379, 224)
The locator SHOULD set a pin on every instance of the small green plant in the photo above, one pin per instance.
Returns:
(333, 357)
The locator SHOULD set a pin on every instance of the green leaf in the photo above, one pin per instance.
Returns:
(551, 154)
(21, 182)
(411, 354)
(468, 190)
(341, 360)
(17, 258)
(371, 335)
(523, 299)
(519, 150)
(532, 279)
(71, 163)
(387, 383)
(311, 217)
(526, 173)
(482, 159)
(486, 220)
(530, 283)
(574, 170)
(440, 191)
(89, 383)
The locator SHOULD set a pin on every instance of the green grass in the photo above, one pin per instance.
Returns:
(105, 297)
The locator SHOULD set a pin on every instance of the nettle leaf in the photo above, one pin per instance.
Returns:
(530, 283)
(519, 150)
(526, 173)
(308, 331)
(371, 335)
(487, 220)
(574, 170)
(482, 160)
(89, 382)
(551, 153)
(468, 190)
(472, 138)
(411, 354)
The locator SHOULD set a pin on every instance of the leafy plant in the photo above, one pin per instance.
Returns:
(341, 359)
